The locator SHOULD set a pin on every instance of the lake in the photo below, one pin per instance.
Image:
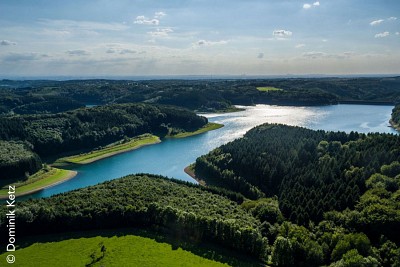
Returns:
(171, 156)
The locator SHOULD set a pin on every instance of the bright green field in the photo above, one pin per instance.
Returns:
(129, 250)
(134, 143)
(37, 181)
(208, 127)
(268, 89)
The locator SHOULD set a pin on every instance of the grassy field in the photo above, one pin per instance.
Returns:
(110, 150)
(40, 180)
(126, 250)
(208, 127)
(268, 89)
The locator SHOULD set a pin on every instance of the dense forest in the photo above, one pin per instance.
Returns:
(179, 208)
(287, 196)
(17, 160)
(90, 127)
(330, 179)
(39, 96)
(87, 128)
(363, 236)
(310, 171)
(396, 115)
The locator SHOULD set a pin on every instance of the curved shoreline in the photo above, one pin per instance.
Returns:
(69, 175)
(75, 159)
(394, 125)
(107, 155)
(189, 171)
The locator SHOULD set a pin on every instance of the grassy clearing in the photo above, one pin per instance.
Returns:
(38, 181)
(268, 89)
(208, 127)
(128, 250)
(110, 150)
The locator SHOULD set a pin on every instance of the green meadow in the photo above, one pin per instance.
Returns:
(42, 179)
(117, 250)
(110, 150)
(208, 127)
(268, 89)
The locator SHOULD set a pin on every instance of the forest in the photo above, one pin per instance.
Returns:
(310, 171)
(362, 236)
(17, 159)
(320, 179)
(86, 129)
(182, 209)
(395, 118)
(44, 96)
(284, 195)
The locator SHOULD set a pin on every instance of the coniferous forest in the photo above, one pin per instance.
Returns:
(280, 195)
(85, 128)
(341, 189)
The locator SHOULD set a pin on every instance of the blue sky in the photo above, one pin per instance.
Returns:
(199, 37)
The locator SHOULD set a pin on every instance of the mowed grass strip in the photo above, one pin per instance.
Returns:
(38, 181)
(129, 250)
(208, 127)
(268, 89)
(113, 149)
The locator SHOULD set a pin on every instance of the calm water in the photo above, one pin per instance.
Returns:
(170, 157)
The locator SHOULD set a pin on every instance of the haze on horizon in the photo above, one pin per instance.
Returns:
(199, 37)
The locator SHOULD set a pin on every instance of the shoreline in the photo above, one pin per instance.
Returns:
(70, 160)
(206, 128)
(107, 155)
(394, 125)
(189, 171)
(69, 175)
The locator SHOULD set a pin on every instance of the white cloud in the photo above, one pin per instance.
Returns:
(145, 21)
(260, 55)
(382, 35)
(78, 52)
(121, 51)
(397, 33)
(376, 22)
(161, 32)
(209, 43)
(392, 18)
(308, 6)
(281, 34)
(300, 45)
(159, 15)
(6, 43)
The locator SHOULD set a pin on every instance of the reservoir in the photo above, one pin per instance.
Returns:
(171, 156)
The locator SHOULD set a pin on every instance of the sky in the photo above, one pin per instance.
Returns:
(199, 37)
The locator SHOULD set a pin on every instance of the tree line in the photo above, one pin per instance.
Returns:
(17, 160)
(23, 97)
(185, 210)
(335, 196)
(88, 128)
(310, 171)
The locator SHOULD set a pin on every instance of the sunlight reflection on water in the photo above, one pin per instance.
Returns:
(171, 156)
